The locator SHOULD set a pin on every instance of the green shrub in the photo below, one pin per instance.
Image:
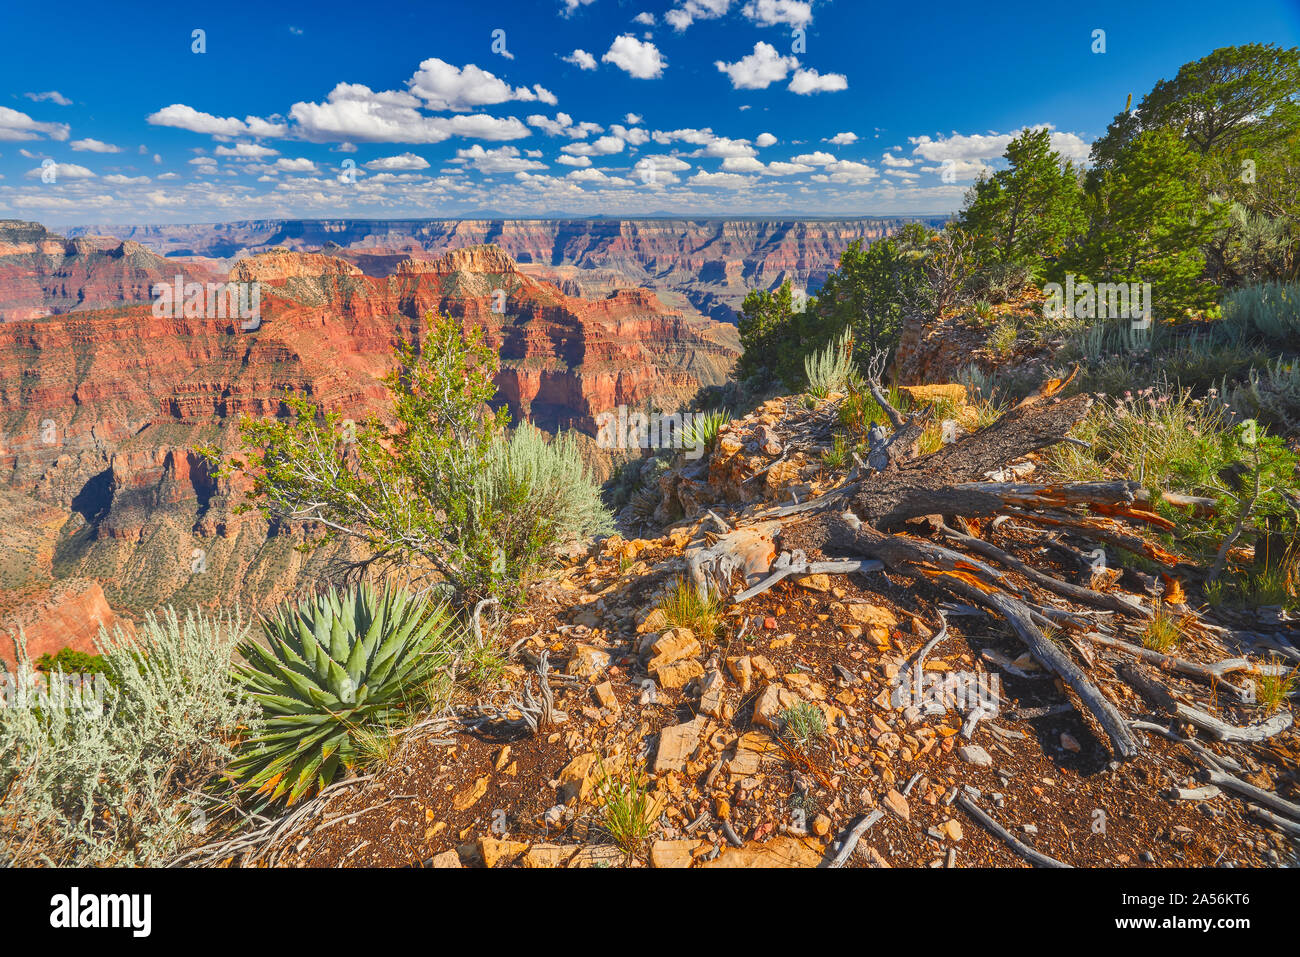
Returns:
(702, 431)
(1272, 397)
(435, 495)
(335, 668)
(1267, 309)
(828, 370)
(123, 784)
(539, 494)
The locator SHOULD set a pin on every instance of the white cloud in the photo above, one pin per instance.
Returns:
(842, 139)
(742, 164)
(596, 176)
(759, 69)
(764, 140)
(636, 137)
(601, 146)
(563, 125)
(581, 59)
(767, 13)
(53, 96)
(19, 126)
(724, 147)
(444, 86)
(728, 180)
(286, 165)
(503, 159)
(357, 113)
(819, 158)
(692, 10)
(93, 146)
(809, 81)
(578, 161)
(645, 19)
(119, 180)
(897, 162)
(61, 171)
(638, 58)
(246, 151)
(184, 117)
(988, 146)
(633, 119)
(901, 174)
(402, 162)
(778, 168)
(571, 6)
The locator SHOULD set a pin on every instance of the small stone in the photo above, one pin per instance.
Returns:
(1070, 742)
(815, 582)
(672, 853)
(952, 828)
(445, 859)
(466, 798)
(587, 661)
(547, 855)
(742, 669)
(495, 852)
(821, 825)
(898, 804)
(679, 673)
(974, 754)
(605, 697)
(677, 743)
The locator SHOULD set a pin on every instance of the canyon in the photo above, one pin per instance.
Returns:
(703, 266)
(104, 404)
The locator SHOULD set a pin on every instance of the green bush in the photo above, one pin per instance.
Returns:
(335, 668)
(436, 496)
(1267, 309)
(829, 370)
(540, 494)
(121, 784)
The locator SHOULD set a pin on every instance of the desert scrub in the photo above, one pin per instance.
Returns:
(1272, 690)
(125, 785)
(831, 369)
(440, 494)
(334, 670)
(1169, 441)
(627, 807)
(803, 725)
(1002, 339)
(1163, 633)
(683, 607)
(702, 431)
(837, 456)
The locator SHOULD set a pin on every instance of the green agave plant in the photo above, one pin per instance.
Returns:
(334, 665)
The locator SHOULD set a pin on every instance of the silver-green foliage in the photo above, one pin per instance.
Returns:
(1272, 396)
(830, 369)
(558, 488)
(1268, 309)
(120, 784)
(334, 667)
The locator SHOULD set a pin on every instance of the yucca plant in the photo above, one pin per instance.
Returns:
(334, 665)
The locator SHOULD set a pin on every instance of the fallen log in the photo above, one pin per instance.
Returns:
(913, 558)
(1223, 731)
(1024, 850)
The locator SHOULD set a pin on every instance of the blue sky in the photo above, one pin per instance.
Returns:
(595, 107)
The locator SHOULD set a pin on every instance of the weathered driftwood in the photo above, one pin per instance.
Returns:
(1223, 731)
(913, 558)
(1216, 761)
(1205, 793)
(1085, 596)
(1211, 674)
(844, 567)
(1281, 823)
(1230, 783)
(850, 840)
(1024, 850)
